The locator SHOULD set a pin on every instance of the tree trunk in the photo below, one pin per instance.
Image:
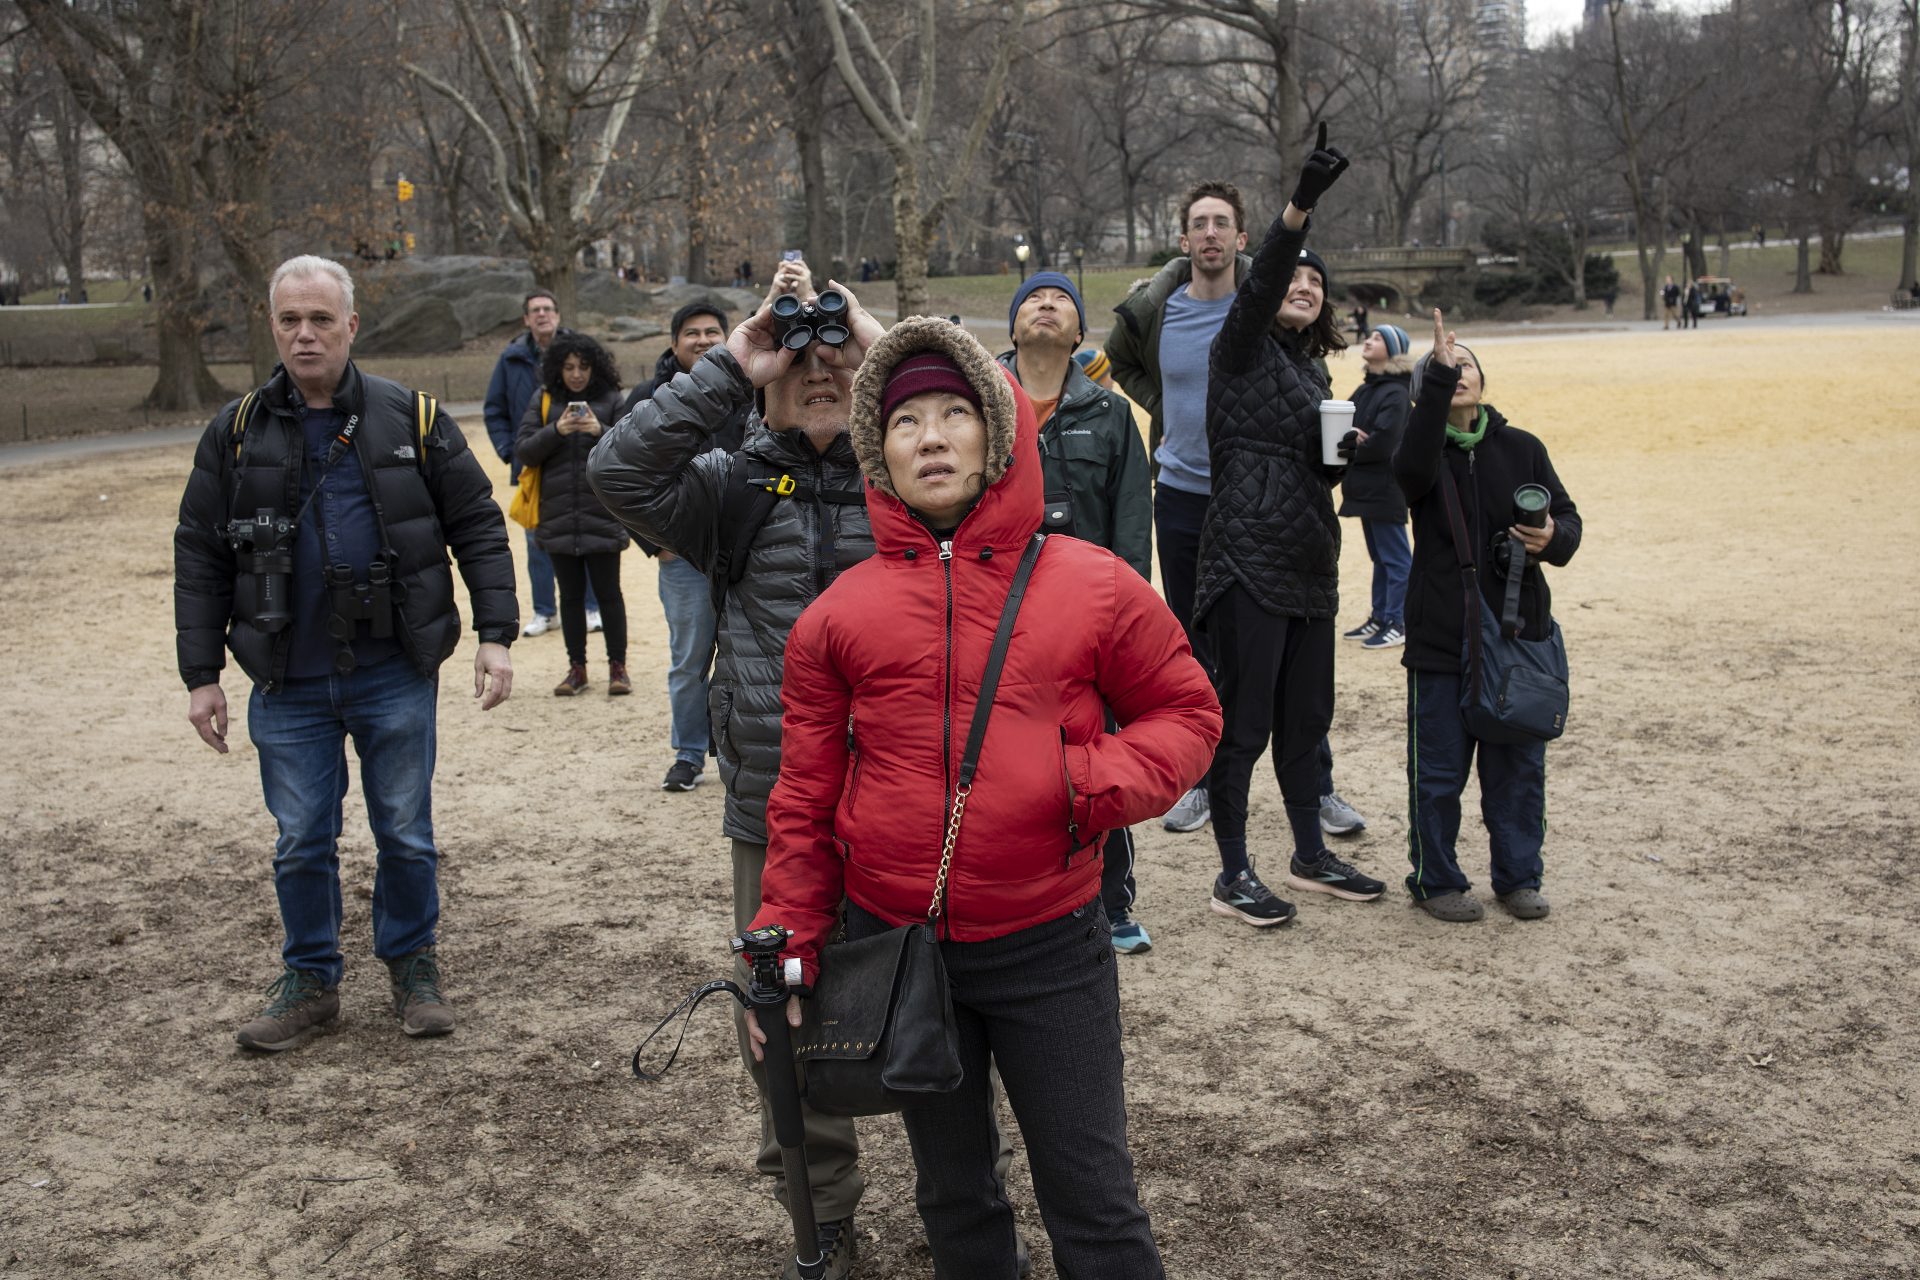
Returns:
(816, 235)
(909, 239)
(184, 381)
(1802, 274)
(1833, 241)
(553, 269)
(1910, 237)
(1130, 198)
(72, 236)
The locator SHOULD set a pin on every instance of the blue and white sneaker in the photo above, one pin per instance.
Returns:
(1362, 632)
(1130, 936)
(1390, 636)
(1245, 899)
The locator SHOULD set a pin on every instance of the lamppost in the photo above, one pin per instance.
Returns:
(1020, 251)
(1080, 267)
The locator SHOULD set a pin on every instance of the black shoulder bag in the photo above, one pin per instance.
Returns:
(1513, 690)
(879, 1034)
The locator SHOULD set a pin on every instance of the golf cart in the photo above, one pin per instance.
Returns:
(1722, 297)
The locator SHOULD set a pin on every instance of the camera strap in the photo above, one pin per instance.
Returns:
(686, 1006)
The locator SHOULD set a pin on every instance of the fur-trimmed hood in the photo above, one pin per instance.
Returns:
(1010, 509)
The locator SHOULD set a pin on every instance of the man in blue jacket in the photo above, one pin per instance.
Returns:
(515, 383)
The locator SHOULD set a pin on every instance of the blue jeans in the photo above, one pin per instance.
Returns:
(1513, 793)
(688, 602)
(301, 733)
(1392, 561)
(540, 577)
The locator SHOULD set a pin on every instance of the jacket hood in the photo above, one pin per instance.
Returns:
(1010, 508)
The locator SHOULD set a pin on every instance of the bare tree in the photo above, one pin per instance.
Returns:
(1908, 97)
(134, 77)
(920, 198)
(563, 82)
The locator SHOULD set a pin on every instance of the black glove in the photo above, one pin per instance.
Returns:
(1322, 170)
(1347, 443)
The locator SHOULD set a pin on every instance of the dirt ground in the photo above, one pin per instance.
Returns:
(1704, 1064)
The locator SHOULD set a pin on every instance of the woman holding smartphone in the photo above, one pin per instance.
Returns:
(579, 399)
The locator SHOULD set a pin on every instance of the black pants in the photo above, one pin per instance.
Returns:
(1178, 518)
(1044, 1005)
(1275, 678)
(572, 573)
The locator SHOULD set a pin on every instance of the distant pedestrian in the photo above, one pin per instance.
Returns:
(146, 293)
(1369, 492)
(1696, 302)
(1611, 296)
(1670, 299)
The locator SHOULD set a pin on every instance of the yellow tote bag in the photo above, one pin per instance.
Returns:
(524, 508)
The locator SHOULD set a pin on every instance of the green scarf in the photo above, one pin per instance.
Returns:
(1467, 439)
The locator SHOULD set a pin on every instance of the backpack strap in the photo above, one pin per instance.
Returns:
(425, 410)
(744, 507)
(241, 416)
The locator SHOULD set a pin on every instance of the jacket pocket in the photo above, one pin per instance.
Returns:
(853, 769)
(720, 717)
(1079, 842)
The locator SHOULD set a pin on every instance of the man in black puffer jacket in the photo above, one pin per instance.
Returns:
(659, 472)
(361, 478)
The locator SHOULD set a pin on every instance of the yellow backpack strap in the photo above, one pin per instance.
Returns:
(425, 408)
(546, 403)
(239, 429)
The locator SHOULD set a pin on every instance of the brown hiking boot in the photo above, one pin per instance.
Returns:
(416, 994)
(576, 681)
(298, 1002)
(617, 682)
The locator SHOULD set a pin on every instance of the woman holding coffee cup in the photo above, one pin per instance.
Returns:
(1506, 489)
(1269, 555)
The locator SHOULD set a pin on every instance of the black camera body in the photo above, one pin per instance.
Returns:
(798, 325)
(264, 545)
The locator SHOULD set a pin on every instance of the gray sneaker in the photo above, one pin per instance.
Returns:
(1525, 904)
(1190, 813)
(1454, 908)
(1338, 818)
(837, 1248)
(416, 994)
(298, 1001)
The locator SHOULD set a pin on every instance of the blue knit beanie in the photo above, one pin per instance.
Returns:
(1047, 280)
(1398, 343)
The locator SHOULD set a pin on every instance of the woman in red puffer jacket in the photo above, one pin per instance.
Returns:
(882, 675)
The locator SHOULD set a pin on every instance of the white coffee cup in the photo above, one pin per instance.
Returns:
(1336, 419)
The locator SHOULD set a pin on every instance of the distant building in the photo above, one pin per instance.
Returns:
(1502, 24)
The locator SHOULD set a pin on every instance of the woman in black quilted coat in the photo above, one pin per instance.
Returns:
(1269, 553)
(583, 538)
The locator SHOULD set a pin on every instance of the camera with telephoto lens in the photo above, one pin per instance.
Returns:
(798, 325)
(265, 547)
(1530, 503)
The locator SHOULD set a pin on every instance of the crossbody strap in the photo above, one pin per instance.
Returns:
(1469, 574)
(977, 735)
(1510, 606)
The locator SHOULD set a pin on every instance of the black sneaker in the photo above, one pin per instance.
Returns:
(1327, 874)
(682, 776)
(1363, 631)
(1245, 898)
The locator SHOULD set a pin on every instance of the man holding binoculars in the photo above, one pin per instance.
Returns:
(771, 526)
(313, 543)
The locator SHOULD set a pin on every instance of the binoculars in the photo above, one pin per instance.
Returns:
(264, 546)
(353, 602)
(798, 325)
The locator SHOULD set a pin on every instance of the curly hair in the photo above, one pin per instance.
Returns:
(1216, 190)
(606, 374)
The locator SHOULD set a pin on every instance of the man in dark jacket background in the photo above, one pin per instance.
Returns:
(339, 606)
(1098, 487)
(685, 596)
(516, 384)
(658, 470)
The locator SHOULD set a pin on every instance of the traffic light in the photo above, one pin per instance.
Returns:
(403, 192)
